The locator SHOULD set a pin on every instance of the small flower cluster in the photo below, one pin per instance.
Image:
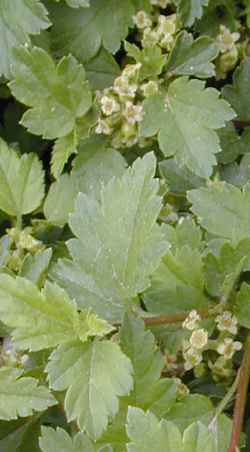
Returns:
(10, 357)
(121, 112)
(192, 349)
(161, 33)
(228, 51)
(22, 244)
(224, 345)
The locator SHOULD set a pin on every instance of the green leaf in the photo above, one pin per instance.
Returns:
(186, 232)
(63, 148)
(242, 305)
(62, 92)
(179, 179)
(94, 166)
(81, 32)
(102, 70)
(227, 266)
(21, 182)
(232, 144)
(21, 396)
(118, 244)
(35, 266)
(18, 20)
(190, 10)
(44, 319)
(173, 287)
(187, 106)
(235, 174)
(150, 390)
(60, 200)
(192, 57)
(78, 3)
(237, 94)
(223, 210)
(59, 441)
(151, 59)
(94, 374)
(20, 435)
(193, 408)
(147, 433)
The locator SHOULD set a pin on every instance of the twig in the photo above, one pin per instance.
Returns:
(241, 397)
(175, 318)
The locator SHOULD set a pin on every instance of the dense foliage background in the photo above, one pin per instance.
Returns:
(125, 225)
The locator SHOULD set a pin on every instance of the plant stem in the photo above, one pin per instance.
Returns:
(241, 397)
(175, 318)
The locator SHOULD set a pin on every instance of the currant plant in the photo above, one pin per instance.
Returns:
(125, 225)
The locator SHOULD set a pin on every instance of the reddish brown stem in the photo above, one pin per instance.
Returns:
(241, 124)
(168, 319)
(241, 397)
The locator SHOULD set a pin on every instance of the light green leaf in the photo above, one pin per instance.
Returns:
(151, 59)
(174, 288)
(150, 390)
(63, 148)
(93, 167)
(78, 3)
(21, 182)
(118, 245)
(223, 210)
(21, 396)
(148, 434)
(238, 94)
(187, 106)
(190, 10)
(242, 305)
(192, 57)
(62, 92)
(102, 70)
(44, 319)
(81, 32)
(94, 374)
(18, 20)
(35, 266)
(59, 441)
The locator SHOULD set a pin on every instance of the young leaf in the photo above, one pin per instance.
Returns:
(59, 441)
(237, 94)
(94, 374)
(18, 20)
(187, 106)
(21, 182)
(81, 32)
(118, 242)
(151, 58)
(20, 396)
(190, 10)
(223, 210)
(62, 92)
(44, 319)
(192, 57)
